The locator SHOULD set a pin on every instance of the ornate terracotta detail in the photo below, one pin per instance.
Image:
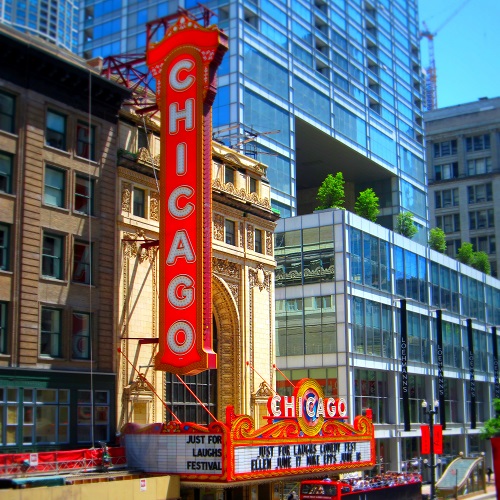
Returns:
(242, 235)
(250, 235)
(126, 196)
(226, 268)
(154, 206)
(218, 230)
(264, 391)
(260, 278)
(269, 243)
(229, 188)
(235, 292)
(144, 156)
(242, 194)
(132, 247)
(229, 344)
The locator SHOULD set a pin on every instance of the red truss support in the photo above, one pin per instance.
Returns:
(130, 70)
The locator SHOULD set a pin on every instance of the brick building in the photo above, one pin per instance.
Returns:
(58, 143)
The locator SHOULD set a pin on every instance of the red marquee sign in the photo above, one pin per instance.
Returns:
(311, 441)
(184, 65)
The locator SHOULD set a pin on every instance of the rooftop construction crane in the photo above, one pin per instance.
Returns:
(430, 77)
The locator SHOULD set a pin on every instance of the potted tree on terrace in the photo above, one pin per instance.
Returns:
(491, 431)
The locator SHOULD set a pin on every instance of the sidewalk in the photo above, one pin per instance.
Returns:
(490, 492)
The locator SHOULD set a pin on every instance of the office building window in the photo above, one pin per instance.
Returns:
(6, 162)
(371, 390)
(230, 232)
(55, 187)
(446, 171)
(52, 256)
(417, 387)
(481, 219)
(50, 342)
(9, 414)
(229, 174)
(452, 247)
(85, 141)
(3, 327)
(258, 241)
(447, 198)
(479, 166)
(445, 148)
(45, 416)
(449, 223)
(204, 385)
(253, 185)
(480, 193)
(477, 143)
(81, 331)
(84, 195)
(485, 244)
(82, 262)
(139, 207)
(4, 247)
(55, 133)
(101, 419)
(452, 353)
(373, 329)
(7, 112)
(142, 139)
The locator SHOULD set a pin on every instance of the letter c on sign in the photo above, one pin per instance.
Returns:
(173, 202)
(272, 406)
(173, 77)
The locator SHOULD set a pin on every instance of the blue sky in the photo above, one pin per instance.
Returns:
(466, 48)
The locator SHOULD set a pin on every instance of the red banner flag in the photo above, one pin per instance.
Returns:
(438, 439)
(426, 440)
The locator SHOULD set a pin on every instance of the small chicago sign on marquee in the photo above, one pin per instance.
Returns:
(306, 433)
(184, 65)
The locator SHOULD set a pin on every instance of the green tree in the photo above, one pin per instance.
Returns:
(481, 262)
(466, 253)
(492, 426)
(405, 225)
(367, 205)
(437, 239)
(331, 192)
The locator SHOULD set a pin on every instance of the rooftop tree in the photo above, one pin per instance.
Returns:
(331, 192)
(367, 205)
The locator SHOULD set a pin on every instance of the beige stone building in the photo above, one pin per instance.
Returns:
(243, 285)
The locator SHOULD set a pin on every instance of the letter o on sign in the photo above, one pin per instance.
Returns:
(180, 337)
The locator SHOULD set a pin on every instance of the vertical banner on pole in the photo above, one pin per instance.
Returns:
(495, 361)
(438, 439)
(470, 339)
(404, 367)
(425, 443)
(440, 365)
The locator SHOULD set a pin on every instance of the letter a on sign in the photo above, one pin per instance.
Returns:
(184, 65)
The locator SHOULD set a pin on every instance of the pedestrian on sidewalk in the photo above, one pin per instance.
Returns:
(489, 472)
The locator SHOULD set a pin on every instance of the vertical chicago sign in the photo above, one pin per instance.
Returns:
(184, 65)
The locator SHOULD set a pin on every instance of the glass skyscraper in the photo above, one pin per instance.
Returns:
(55, 21)
(323, 86)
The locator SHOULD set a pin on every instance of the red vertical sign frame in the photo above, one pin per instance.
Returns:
(184, 64)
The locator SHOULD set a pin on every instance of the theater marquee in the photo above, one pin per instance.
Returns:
(184, 65)
(306, 433)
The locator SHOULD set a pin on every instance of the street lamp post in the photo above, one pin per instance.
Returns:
(432, 465)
